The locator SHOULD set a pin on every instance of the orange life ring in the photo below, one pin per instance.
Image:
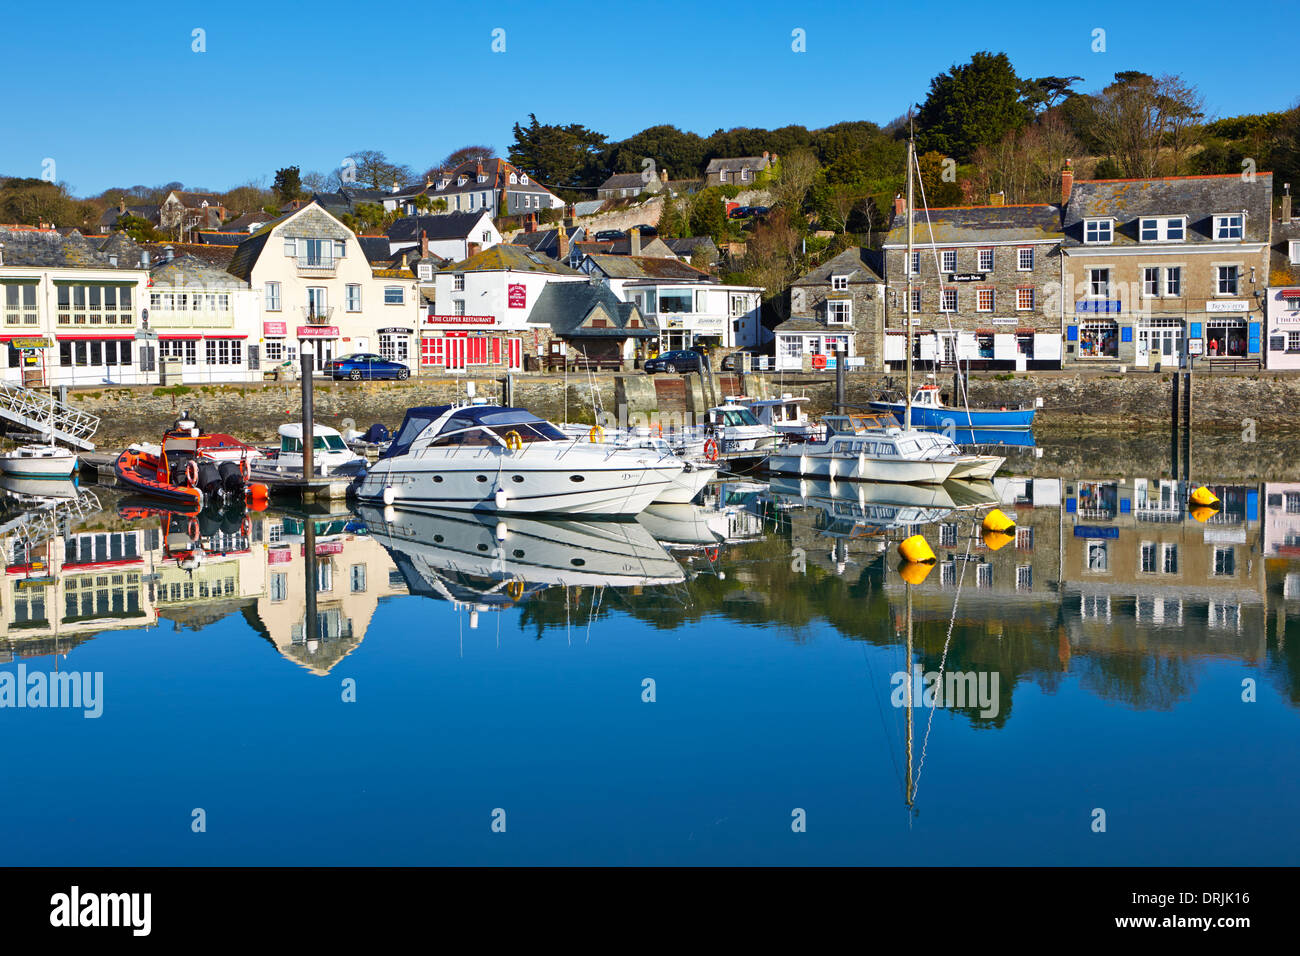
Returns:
(191, 473)
(193, 529)
(819, 361)
(711, 553)
(711, 450)
(245, 469)
(245, 526)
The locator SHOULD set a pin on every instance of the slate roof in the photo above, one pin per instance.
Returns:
(222, 238)
(376, 248)
(112, 214)
(1198, 198)
(447, 225)
(979, 224)
(587, 207)
(219, 256)
(564, 306)
(624, 181)
(688, 246)
(859, 264)
(196, 200)
(544, 241)
(247, 252)
(800, 324)
(506, 257)
(737, 163)
(650, 246)
(647, 267)
(188, 270)
(497, 171)
(247, 220)
(29, 246)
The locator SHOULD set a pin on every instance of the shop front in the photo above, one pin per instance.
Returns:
(1284, 328)
(1230, 332)
(461, 343)
(322, 341)
(395, 344)
(277, 347)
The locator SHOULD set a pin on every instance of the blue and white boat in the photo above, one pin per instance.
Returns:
(929, 411)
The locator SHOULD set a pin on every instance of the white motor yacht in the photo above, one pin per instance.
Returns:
(330, 453)
(784, 415)
(509, 461)
(684, 488)
(738, 429)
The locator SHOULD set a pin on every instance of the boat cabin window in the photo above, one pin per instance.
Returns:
(322, 443)
(475, 437)
(737, 417)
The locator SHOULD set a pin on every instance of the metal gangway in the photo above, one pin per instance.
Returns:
(50, 517)
(43, 413)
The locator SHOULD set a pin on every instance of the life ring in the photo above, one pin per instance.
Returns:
(514, 441)
(597, 434)
(711, 450)
(711, 554)
(191, 473)
(819, 361)
(515, 589)
(659, 427)
(193, 529)
(245, 469)
(245, 527)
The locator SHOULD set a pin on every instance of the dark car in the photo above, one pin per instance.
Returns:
(683, 360)
(610, 235)
(365, 366)
(758, 211)
(740, 212)
(646, 231)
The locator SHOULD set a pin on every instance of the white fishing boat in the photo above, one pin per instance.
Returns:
(784, 415)
(738, 429)
(330, 454)
(509, 461)
(39, 461)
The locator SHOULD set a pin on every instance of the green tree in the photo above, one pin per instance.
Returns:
(556, 155)
(971, 105)
(709, 215)
(939, 180)
(673, 223)
(141, 230)
(288, 183)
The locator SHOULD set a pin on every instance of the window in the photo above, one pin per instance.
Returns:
(393, 347)
(1097, 231)
(984, 575)
(676, 300)
(274, 351)
(1024, 539)
(457, 306)
(916, 300)
(1025, 259)
(839, 312)
(1225, 562)
(1226, 280)
(1150, 281)
(187, 350)
(20, 303)
(1158, 229)
(1025, 299)
(1098, 557)
(354, 298)
(1024, 578)
(1228, 226)
(948, 534)
(1148, 554)
(1099, 283)
(948, 302)
(273, 297)
(1293, 341)
(949, 260)
(916, 262)
(93, 305)
(1174, 280)
(279, 586)
(223, 351)
(394, 295)
(839, 283)
(1171, 559)
(358, 579)
(458, 282)
(983, 300)
(986, 260)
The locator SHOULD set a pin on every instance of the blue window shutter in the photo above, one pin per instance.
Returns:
(1252, 506)
(1071, 333)
(1126, 334)
(1196, 331)
(1071, 506)
(1252, 334)
(1125, 506)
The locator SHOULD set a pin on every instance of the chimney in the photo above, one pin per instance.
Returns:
(634, 240)
(121, 205)
(561, 243)
(396, 186)
(663, 176)
(472, 249)
(1067, 182)
(403, 265)
(168, 253)
(997, 199)
(424, 243)
(112, 261)
(2, 253)
(530, 224)
(144, 259)
(900, 205)
(1286, 202)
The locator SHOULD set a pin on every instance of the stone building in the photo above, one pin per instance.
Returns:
(1148, 263)
(982, 284)
(837, 306)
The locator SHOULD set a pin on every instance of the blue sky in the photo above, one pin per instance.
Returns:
(116, 96)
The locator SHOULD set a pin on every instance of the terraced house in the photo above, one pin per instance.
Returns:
(839, 306)
(491, 184)
(983, 284)
(1151, 266)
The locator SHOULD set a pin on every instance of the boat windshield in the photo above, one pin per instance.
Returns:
(322, 443)
(737, 417)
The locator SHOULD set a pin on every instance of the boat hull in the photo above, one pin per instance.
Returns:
(58, 467)
(1019, 419)
(861, 468)
(977, 467)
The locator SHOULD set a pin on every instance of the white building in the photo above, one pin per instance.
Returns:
(454, 236)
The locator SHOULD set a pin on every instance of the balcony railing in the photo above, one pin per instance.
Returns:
(317, 315)
(316, 266)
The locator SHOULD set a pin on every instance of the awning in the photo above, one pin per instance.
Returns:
(167, 338)
(224, 336)
(98, 338)
(986, 331)
(1290, 293)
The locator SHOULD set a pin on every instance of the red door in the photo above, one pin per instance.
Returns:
(455, 355)
(516, 347)
(496, 351)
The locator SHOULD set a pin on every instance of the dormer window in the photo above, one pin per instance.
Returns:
(460, 180)
(482, 178)
(514, 178)
(1098, 231)
(523, 180)
(1161, 229)
(840, 283)
(1229, 226)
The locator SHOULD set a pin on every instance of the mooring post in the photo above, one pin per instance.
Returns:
(1173, 425)
(841, 359)
(308, 421)
(309, 565)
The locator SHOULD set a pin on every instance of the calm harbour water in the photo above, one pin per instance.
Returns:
(1114, 634)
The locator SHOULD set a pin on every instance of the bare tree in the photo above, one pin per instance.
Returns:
(1148, 125)
(798, 173)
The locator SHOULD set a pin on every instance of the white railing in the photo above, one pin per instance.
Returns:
(42, 413)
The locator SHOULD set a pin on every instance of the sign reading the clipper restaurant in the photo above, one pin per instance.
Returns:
(517, 295)
(967, 277)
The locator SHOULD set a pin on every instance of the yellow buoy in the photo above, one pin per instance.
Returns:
(1202, 513)
(995, 520)
(914, 572)
(997, 539)
(1204, 496)
(916, 549)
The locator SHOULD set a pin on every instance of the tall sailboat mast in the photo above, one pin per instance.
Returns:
(907, 413)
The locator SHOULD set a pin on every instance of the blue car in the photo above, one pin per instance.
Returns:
(365, 366)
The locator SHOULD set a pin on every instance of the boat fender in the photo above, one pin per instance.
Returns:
(191, 473)
(245, 469)
(711, 450)
(500, 498)
(389, 495)
(916, 550)
(996, 520)
(711, 554)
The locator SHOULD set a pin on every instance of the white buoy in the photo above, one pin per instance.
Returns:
(390, 514)
(501, 498)
(473, 619)
(502, 530)
(389, 495)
